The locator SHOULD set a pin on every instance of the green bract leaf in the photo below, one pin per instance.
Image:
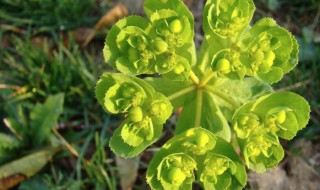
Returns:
(227, 63)
(160, 109)
(171, 88)
(217, 172)
(127, 46)
(261, 150)
(117, 92)
(176, 172)
(272, 51)
(175, 29)
(208, 110)
(200, 145)
(180, 71)
(227, 18)
(122, 96)
(152, 6)
(283, 113)
(130, 138)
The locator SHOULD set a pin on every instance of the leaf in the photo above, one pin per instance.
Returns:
(44, 117)
(122, 149)
(169, 88)
(107, 80)
(111, 16)
(151, 6)
(111, 51)
(228, 18)
(211, 117)
(8, 141)
(297, 105)
(272, 50)
(245, 90)
(19, 170)
(128, 171)
(197, 144)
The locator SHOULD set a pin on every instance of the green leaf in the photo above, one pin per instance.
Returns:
(171, 88)
(151, 7)
(261, 151)
(44, 117)
(272, 51)
(200, 145)
(123, 149)
(107, 80)
(8, 141)
(211, 117)
(228, 18)
(160, 109)
(295, 113)
(111, 49)
(245, 90)
(19, 170)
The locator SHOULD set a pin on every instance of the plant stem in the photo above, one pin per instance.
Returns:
(181, 92)
(193, 77)
(223, 96)
(198, 110)
(206, 79)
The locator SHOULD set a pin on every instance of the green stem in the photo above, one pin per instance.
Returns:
(206, 79)
(181, 92)
(193, 77)
(223, 96)
(197, 121)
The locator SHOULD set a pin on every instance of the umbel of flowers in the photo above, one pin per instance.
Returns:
(223, 88)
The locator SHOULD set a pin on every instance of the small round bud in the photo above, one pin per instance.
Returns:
(223, 66)
(176, 176)
(128, 92)
(160, 46)
(175, 26)
(155, 109)
(243, 120)
(281, 117)
(136, 114)
(134, 55)
(269, 58)
(202, 139)
(178, 69)
(164, 1)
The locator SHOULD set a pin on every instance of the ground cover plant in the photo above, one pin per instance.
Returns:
(224, 91)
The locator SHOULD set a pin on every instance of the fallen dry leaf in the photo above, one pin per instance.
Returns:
(128, 171)
(119, 11)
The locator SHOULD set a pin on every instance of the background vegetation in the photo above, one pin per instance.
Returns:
(51, 58)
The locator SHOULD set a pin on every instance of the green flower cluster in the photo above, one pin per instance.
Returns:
(197, 149)
(259, 124)
(146, 111)
(265, 51)
(138, 46)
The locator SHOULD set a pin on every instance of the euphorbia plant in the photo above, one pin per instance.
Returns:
(224, 92)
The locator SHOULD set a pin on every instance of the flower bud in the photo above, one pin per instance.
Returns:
(281, 117)
(223, 66)
(178, 69)
(136, 114)
(160, 46)
(164, 1)
(175, 26)
(269, 58)
(176, 176)
(202, 139)
(133, 55)
(128, 92)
